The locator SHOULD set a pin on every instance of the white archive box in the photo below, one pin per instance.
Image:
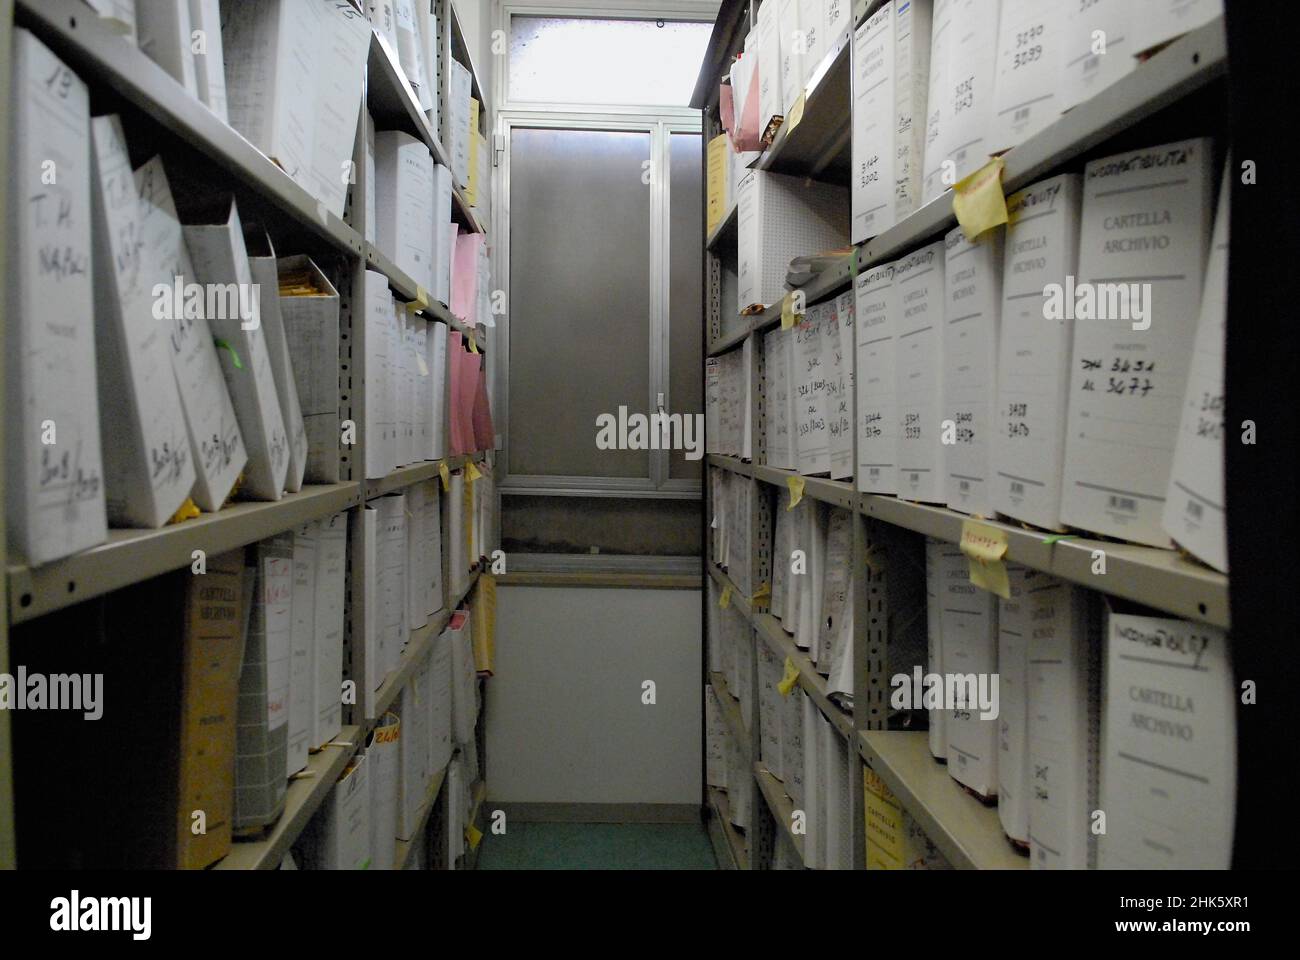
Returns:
(874, 124)
(1028, 86)
(1097, 48)
(215, 441)
(920, 294)
(441, 742)
(163, 35)
(814, 786)
(366, 528)
(837, 363)
(331, 584)
(455, 121)
(1143, 242)
(444, 244)
(778, 218)
(792, 52)
(464, 686)
(391, 583)
(220, 259)
(210, 61)
(436, 360)
(431, 522)
(812, 396)
(294, 78)
(972, 58)
(54, 493)
(427, 19)
(968, 618)
(835, 656)
(371, 226)
(912, 24)
(792, 745)
(715, 740)
(415, 773)
(384, 756)
(262, 270)
(410, 51)
(379, 432)
(309, 305)
(302, 650)
(972, 312)
(404, 203)
(1169, 748)
(812, 21)
(148, 463)
(769, 716)
(769, 66)
(1015, 627)
(263, 712)
(1064, 704)
(344, 829)
(1194, 506)
(938, 732)
(1042, 249)
(1158, 21)
(876, 315)
(811, 536)
(780, 391)
(938, 105)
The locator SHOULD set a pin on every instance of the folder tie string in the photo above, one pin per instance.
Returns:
(222, 345)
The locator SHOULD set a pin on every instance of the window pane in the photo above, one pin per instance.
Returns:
(579, 298)
(570, 60)
(685, 290)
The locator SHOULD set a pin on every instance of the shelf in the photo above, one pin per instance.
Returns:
(813, 683)
(819, 145)
(1161, 579)
(405, 848)
(732, 841)
(968, 833)
(303, 798)
(738, 599)
(1186, 65)
(826, 283)
(734, 464)
(461, 52)
(414, 473)
(728, 225)
(98, 54)
(779, 802)
(731, 713)
(130, 556)
(838, 493)
(407, 288)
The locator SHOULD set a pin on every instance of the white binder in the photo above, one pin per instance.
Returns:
(220, 258)
(54, 492)
(148, 464)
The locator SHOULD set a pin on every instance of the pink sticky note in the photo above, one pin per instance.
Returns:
(454, 353)
(484, 434)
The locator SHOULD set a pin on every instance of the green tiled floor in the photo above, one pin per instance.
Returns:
(599, 846)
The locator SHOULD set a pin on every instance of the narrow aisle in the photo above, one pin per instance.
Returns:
(599, 846)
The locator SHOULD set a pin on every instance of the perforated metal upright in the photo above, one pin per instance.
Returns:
(8, 855)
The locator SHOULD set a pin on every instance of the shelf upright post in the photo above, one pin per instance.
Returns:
(8, 852)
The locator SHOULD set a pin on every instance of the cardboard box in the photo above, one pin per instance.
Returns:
(310, 307)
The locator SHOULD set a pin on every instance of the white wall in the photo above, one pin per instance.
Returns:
(565, 721)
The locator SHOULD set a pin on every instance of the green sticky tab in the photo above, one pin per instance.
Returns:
(1053, 538)
(222, 345)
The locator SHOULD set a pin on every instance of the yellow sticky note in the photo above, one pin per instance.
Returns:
(473, 344)
(978, 200)
(421, 301)
(788, 317)
(985, 547)
(419, 362)
(716, 204)
(187, 511)
(789, 678)
(445, 474)
(724, 601)
(472, 836)
(796, 485)
(471, 471)
(795, 115)
(763, 591)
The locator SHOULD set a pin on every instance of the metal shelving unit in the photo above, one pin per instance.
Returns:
(406, 848)
(728, 842)
(968, 833)
(175, 121)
